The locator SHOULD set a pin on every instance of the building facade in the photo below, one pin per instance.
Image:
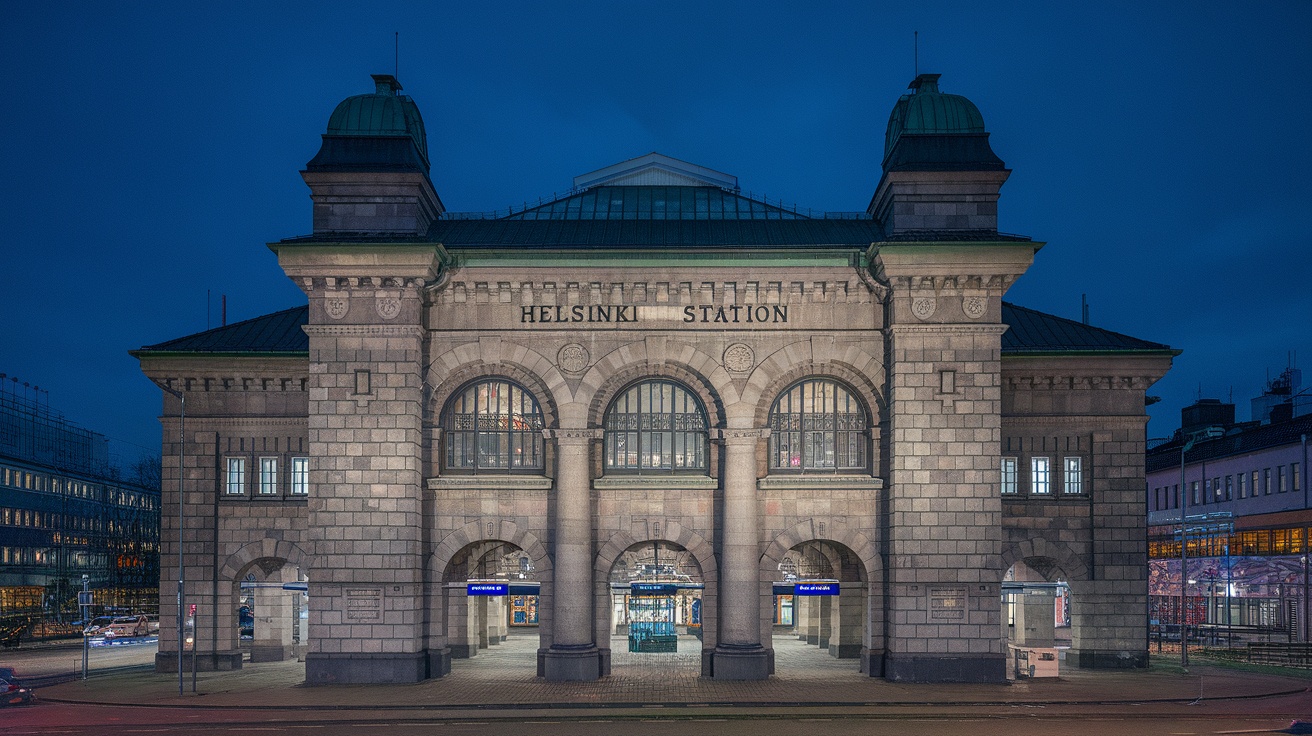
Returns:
(658, 380)
(67, 513)
(1241, 487)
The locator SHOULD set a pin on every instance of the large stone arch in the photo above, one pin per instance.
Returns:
(853, 366)
(701, 373)
(264, 549)
(671, 531)
(1037, 548)
(487, 358)
(502, 531)
(838, 532)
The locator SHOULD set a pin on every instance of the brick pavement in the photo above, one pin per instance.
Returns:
(504, 675)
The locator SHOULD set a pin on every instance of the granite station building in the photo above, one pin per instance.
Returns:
(656, 378)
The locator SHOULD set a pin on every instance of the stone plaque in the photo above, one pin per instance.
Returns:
(364, 604)
(947, 604)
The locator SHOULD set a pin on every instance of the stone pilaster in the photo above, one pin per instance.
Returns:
(738, 654)
(945, 514)
(573, 654)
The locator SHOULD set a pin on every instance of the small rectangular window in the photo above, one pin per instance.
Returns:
(1255, 485)
(268, 476)
(1175, 496)
(1229, 487)
(1216, 488)
(300, 476)
(1009, 475)
(1194, 494)
(235, 484)
(1040, 475)
(1266, 482)
(1282, 482)
(363, 382)
(1293, 471)
(1241, 480)
(1074, 479)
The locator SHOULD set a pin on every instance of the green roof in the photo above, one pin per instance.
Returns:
(926, 110)
(383, 129)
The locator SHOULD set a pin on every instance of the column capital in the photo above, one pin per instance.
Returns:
(573, 436)
(742, 435)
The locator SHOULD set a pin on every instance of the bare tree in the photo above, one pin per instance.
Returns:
(146, 471)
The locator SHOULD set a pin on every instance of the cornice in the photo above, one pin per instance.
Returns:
(953, 328)
(1076, 383)
(328, 330)
(655, 483)
(489, 483)
(784, 482)
(247, 384)
(853, 290)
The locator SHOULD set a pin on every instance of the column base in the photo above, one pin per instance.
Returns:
(462, 651)
(572, 664)
(844, 651)
(439, 662)
(205, 661)
(261, 652)
(365, 669)
(1103, 659)
(741, 663)
(872, 662)
(945, 668)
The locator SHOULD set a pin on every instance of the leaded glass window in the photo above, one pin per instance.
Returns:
(817, 425)
(493, 426)
(656, 426)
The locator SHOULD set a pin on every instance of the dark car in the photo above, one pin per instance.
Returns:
(12, 693)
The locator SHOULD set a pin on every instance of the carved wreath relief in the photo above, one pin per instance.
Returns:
(336, 305)
(974, 306)
(387, 306)
(923, 307)
(573, 358)
(739, 358)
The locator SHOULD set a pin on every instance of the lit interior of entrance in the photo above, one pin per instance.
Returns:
(1036, 615)
(492, 594)
(656, 600)
(821, 601)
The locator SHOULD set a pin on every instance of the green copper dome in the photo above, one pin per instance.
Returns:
(385, 113)
(927, 111)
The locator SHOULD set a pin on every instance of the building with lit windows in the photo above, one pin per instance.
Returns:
(1243, 489)
(656, 411)
(66, 512)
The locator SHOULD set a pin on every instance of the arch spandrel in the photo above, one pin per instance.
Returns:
(860, 544)
(464, 363)
(702, 375)
(853, 366)
(671, 531)
(476, 532)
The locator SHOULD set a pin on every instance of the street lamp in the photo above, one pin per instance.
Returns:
(1184, 558)
(182, 570)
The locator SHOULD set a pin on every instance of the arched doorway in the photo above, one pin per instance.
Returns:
(656, 613)
(270, 612)
(491, 596)
(1037, 617)
(821, 607)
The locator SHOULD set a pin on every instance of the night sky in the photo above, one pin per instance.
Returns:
(151, 150)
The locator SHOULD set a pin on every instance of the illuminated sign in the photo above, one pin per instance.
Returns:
(487, 588)
(653, 587)
(828, 587)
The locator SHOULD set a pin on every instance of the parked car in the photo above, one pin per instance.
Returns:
(12, 693)
(127, 626)
(93, 628)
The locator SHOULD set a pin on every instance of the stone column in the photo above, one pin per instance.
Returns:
(573, 654)
(273, 619)
(824, 620)
(802, 618)
(461, 638)
(483, 631)
(848, 622)
(739, 654)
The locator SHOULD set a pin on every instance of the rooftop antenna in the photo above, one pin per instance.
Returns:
(1084, 308)
(396, 55)
(915, 45)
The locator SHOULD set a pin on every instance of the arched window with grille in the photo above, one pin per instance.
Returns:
(654, 427)
(493, 426)
(818, 425)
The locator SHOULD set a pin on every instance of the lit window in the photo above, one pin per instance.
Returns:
(236, 480)
(1074, 478)
(817, 425)
(1266, 482)
(656, 426)
(1293, 471)
(1241, 480)
(268, 476)
(1280, 472)
(1040, 475)
(493, 426)
(1229, 487)
(1008, 475)
(300, 476)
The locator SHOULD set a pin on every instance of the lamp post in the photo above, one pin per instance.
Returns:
(1184, 558)
(182, 570)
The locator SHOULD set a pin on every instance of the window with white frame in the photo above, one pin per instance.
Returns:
(1282, 485)
(268, 476)
(1040, 475)
(1073, 480)
(235, 482)
(1241, 481)
(300, 476)
(1009, 475)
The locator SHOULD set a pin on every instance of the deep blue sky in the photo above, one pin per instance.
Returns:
(148, 151)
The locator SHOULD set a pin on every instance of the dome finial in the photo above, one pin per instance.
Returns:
(385, 84)
(925, 83)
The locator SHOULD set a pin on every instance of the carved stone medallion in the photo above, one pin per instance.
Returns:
(336, 304)
(923, 307)
(739, 358)
(974, 306)
(387, 306)
(573, 358)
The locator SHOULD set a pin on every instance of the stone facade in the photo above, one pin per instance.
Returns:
(900, 498)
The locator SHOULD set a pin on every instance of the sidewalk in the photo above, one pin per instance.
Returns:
(502, 677)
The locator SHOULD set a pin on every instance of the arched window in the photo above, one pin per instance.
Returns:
(656, 426)
(817, 424)
(495, 426)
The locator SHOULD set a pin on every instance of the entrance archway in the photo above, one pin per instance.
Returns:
(262, 611)
(1037, 617)
(656, 607)
(491, 593)
(822, 602)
